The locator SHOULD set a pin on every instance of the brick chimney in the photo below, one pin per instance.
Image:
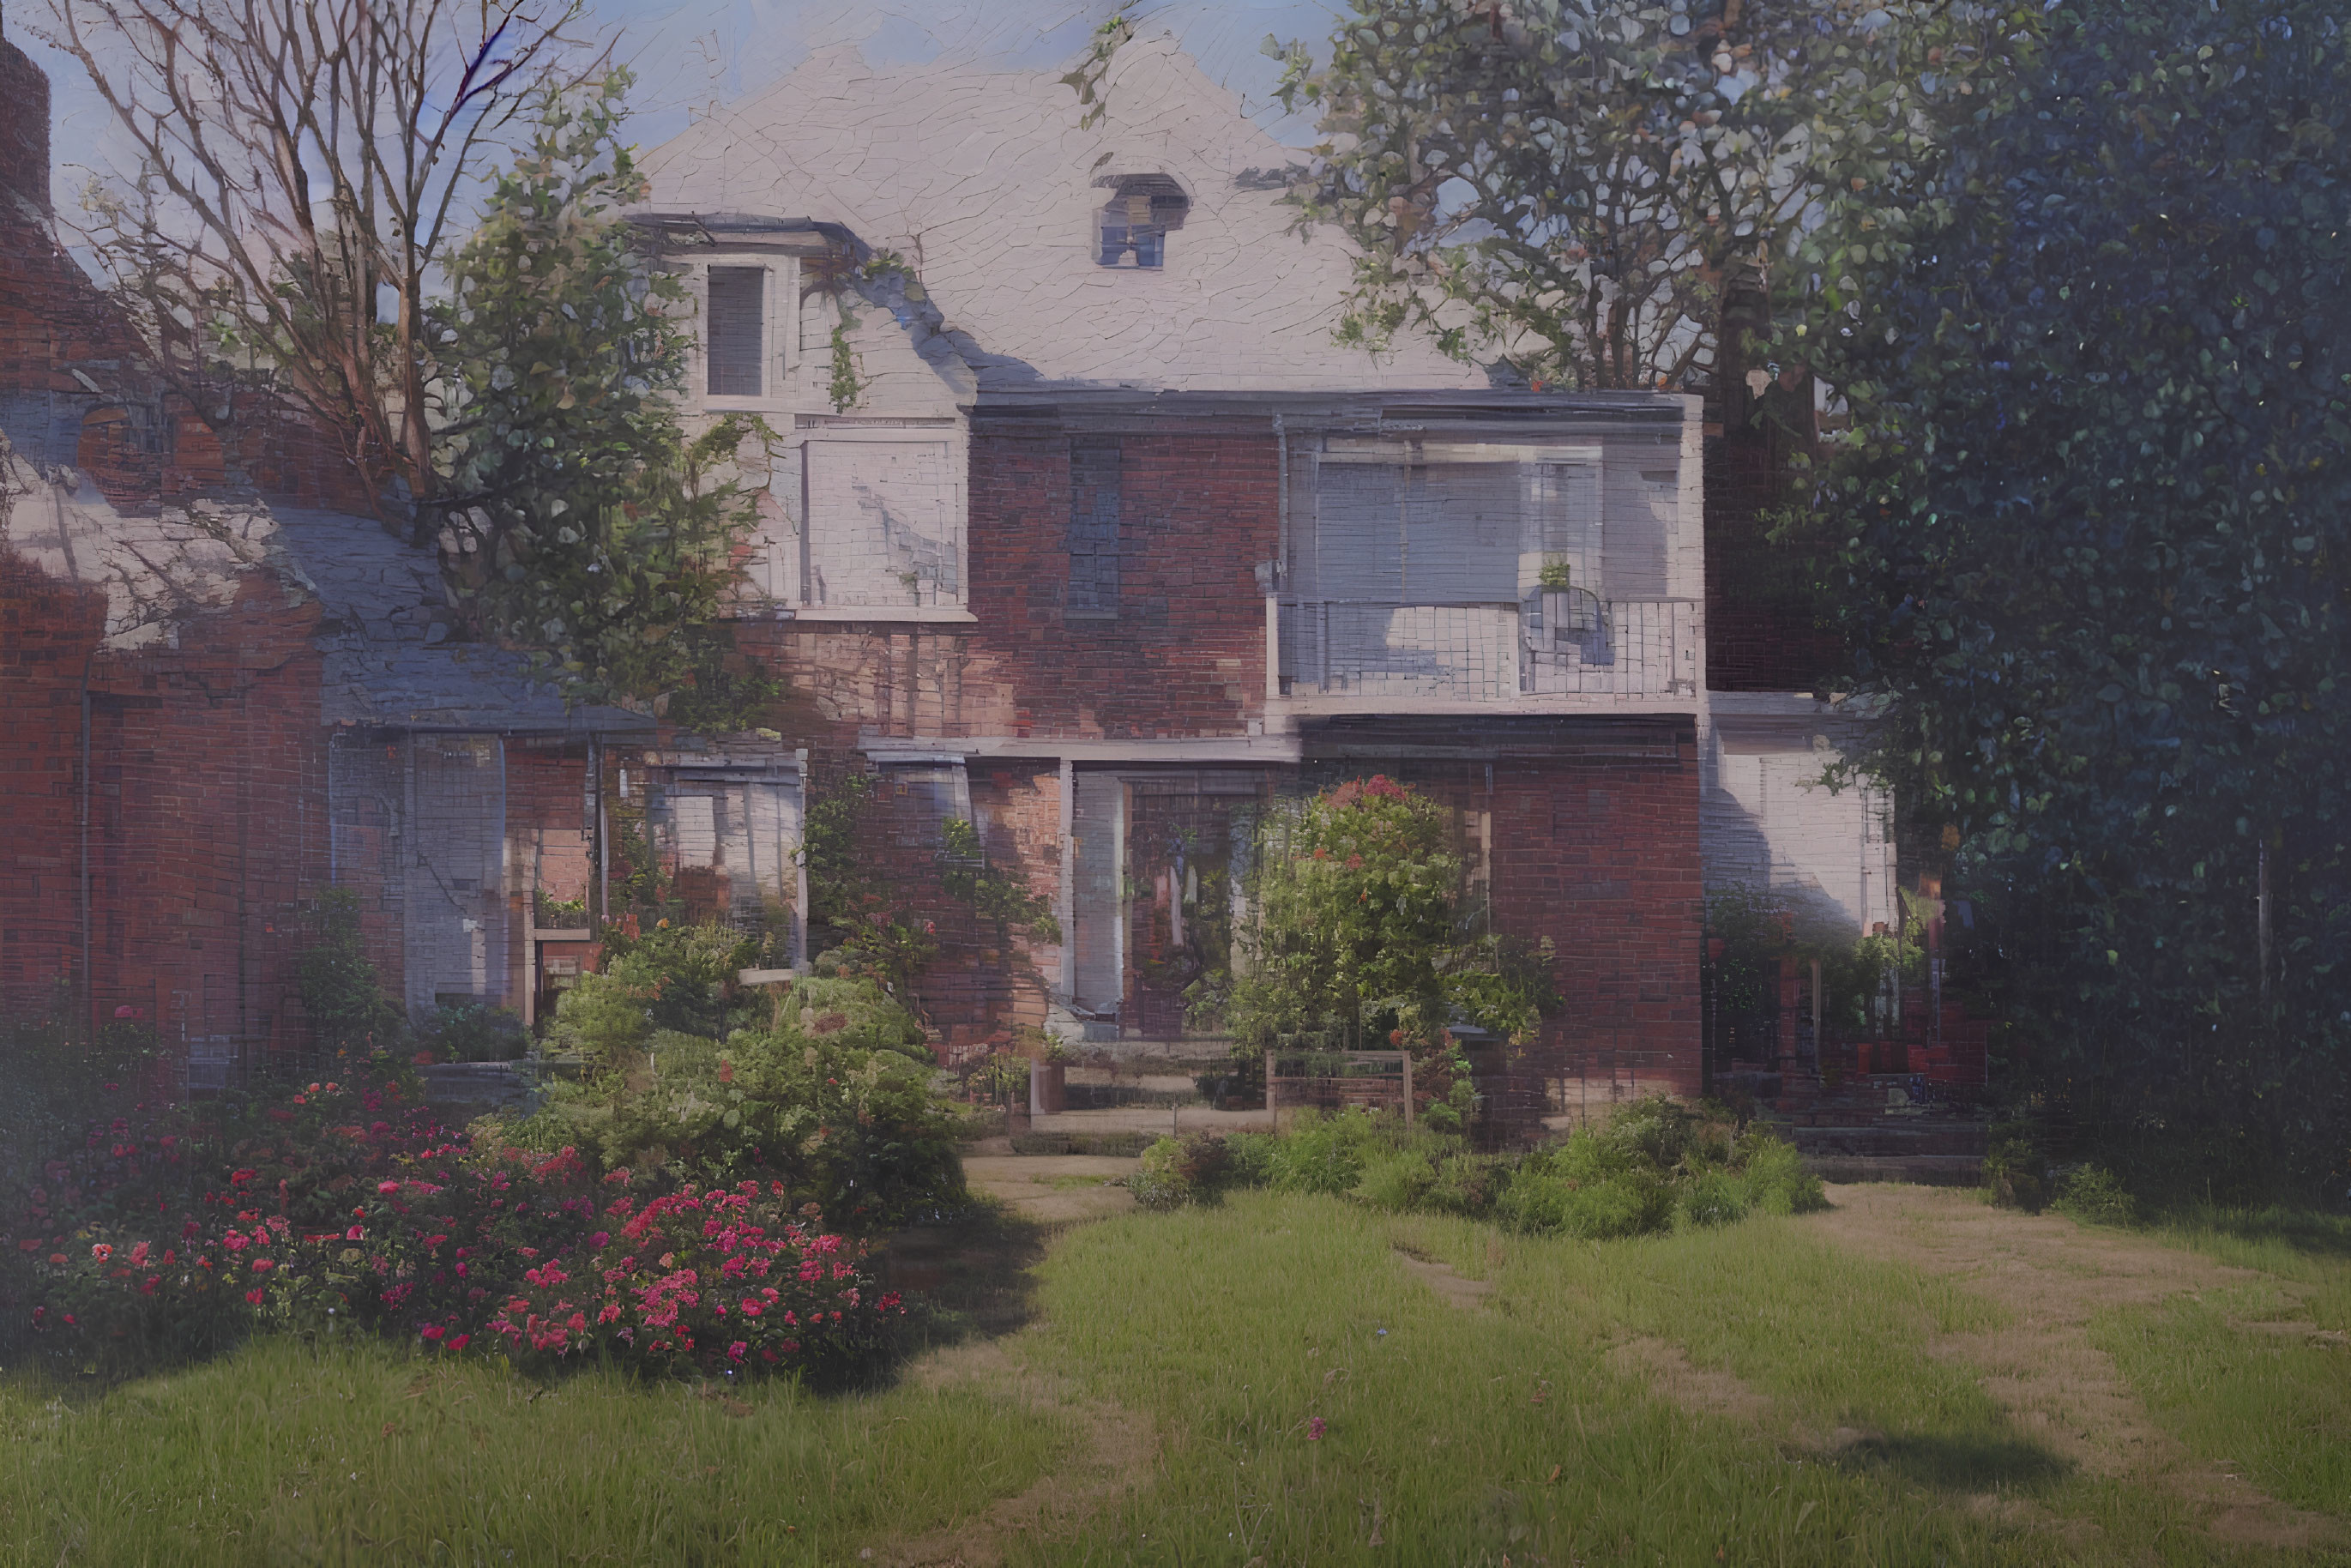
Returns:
(23, 128)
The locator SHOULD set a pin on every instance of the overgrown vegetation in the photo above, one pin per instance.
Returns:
(579, 518)
(1354, 936)
(824, 1086)
(1654, 1166)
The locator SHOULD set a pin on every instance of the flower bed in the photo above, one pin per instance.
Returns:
(345, 1206)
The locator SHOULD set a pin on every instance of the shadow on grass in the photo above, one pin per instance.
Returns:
(967, 1273)
(1959, 1462)
(2308, 1231)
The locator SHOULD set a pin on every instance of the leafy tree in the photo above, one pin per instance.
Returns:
(1577, 186)
(2088, 536)
(342, 995)
(1353, 932)
(582, 519)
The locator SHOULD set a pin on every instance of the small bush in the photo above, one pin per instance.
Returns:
(1467, 1186)
(1250, 1158)
(469, 1031)
(1323, 1154)
(2015, 1174)
(1775, 1179)
(2091, 1195)
(1397, 1180)
(1714, 1198)
(1177, 1171)
(1630, 1203)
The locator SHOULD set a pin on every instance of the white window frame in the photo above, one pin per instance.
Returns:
(799, 573)
(779, 330)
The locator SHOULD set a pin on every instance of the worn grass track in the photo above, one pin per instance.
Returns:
(1301, 1380)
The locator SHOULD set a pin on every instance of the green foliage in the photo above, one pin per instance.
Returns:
(1572, 185)
(580, 521)
(2091, 1194)
(1353, 934)
(665, 976)
(845, 908)
(1557, 576)
(1177, 1171)
(827, 1090)
(2086, 538)
(342, 995)
(845, 386)
(471, 1031)
(995, 896)
(2015, 1173)
(1775, 1179)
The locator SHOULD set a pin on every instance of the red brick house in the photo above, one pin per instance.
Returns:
(1081, 526)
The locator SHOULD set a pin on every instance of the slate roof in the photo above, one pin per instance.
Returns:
(385, 619)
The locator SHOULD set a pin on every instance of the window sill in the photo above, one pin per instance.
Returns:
(921, 615)
(1094, 617)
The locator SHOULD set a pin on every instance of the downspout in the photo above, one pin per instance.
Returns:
(89, 988)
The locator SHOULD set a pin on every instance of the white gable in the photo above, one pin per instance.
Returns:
(986, 185)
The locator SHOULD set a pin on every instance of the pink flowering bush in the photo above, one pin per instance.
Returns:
(342, 1206)
(716, 1281)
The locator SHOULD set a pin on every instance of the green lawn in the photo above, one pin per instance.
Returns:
(1452, 1435)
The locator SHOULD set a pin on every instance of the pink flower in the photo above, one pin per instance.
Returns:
(262, 1265)
(433, 1330)
(734, 1352)
(1314, 1430)
(235, 1241)
(459, 1341)
(354, 1234)
(387, 1188)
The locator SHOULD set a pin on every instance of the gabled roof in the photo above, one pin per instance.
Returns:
(986, 185)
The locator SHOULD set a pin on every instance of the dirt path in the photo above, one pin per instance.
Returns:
(2061, 1390)
(1053, 1188)
(1114, 1452)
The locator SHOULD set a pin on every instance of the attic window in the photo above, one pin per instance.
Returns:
(735, 330)
(1135, 221)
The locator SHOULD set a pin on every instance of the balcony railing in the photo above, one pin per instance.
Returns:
(1553, 644)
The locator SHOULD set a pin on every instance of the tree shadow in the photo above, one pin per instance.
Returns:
(1965, 1462)
(2308, 1231)
(967, 1273)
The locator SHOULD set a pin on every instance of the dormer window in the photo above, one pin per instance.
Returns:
(1135, 221)
(735, 330)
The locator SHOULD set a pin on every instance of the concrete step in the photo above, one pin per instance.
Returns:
(1924, 1170)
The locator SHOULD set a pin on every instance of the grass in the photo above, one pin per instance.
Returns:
(1466, 1437)
(2276, 1404)
(1450, 1436)
(283, 1454)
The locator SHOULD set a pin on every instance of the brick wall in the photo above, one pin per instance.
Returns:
(205, 799)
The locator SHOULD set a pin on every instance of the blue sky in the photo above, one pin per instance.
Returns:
(689, 54)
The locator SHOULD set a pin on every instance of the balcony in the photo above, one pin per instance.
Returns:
(1567, 649)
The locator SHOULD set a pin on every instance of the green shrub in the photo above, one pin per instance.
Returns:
(1250, 1158)
(2092, 1195)
(1397, 1180)
(1177, 1171)
(836, 1103)
(1467, 1185)
(2015, 1175)
(1655, 1130)
(1714, 1198)
(470, 1031)
(1630, 1203)
(342, 995)
(1322, 1152)
(1774, 1178)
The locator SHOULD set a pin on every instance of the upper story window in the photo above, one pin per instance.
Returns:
(1142, 210)
(735, 333)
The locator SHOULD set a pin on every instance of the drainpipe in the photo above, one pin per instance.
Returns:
(88, 990)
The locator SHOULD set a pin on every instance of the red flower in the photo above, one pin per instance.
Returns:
(459, 1341)
(253, 1298)
(101, 1251)
(433, 1330)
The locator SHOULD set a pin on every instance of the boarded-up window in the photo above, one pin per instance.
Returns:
(1094, 529)
(735, 330)
(885, 524)
(920, 797)
(747, 829)
(1098, 880)
(455, 896)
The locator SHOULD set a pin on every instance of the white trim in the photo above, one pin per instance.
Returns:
(896, 614)
(779, 331)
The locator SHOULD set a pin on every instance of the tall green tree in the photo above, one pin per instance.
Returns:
(1576, 188)
(2088, 536)
(581, 520)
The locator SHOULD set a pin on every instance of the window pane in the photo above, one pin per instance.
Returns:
(1093, 527)
(734, 336)
(885, 523)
